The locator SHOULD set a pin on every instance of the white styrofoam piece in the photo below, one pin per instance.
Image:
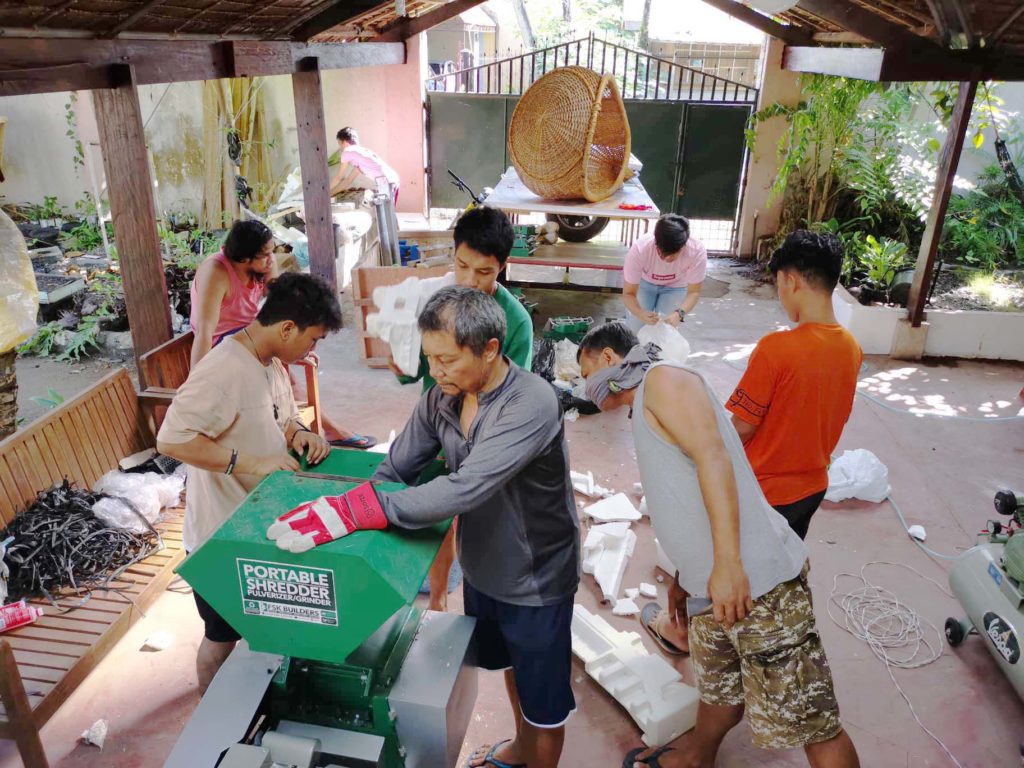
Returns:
(643, 505)
(647, 686)
(385, 446)
(394, 322)
(632, 593)
(638, 488)
(648, 590)
(661, 559)
(606, 550)
(625, 607)
(617, 507)
(584, 483)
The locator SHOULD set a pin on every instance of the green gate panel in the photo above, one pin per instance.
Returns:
(510, 107)
(467, 135)
(712, 161)
(656, 128)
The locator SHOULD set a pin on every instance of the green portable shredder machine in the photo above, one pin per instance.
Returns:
(336, 667)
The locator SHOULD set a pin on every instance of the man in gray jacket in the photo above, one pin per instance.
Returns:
(501, 431)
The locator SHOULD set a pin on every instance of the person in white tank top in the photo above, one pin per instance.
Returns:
(756, 648)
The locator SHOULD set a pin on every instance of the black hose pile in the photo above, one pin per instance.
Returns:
(59, 543)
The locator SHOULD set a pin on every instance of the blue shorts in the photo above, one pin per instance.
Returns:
(536, 643)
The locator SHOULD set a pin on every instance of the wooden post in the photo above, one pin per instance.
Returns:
(316, 181)
(130, 187)
(19, 710)
(943, 188)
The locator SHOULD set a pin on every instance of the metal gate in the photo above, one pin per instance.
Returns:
(687, 129)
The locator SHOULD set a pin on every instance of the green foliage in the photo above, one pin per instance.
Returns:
(85, 237)
(72, 131)
(985, 227)
(84, 339)
(52, 400)
(882, 259)
(50, 209)
(108, 287)
(42, 343)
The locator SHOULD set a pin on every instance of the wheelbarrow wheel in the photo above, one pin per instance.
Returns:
(578, 229)
(954, 632)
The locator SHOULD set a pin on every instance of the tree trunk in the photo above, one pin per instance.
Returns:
(524, 24)
(645, 25)
(567, 12)
(8, 393)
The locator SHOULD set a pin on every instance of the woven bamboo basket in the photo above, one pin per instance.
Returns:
(569, 137)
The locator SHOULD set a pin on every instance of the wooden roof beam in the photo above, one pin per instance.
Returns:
(132, 18)
(329, 14)
(409, 27)
(792, 35)
(861, 21)
(887, 65)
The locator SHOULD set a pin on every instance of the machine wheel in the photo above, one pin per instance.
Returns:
(578, 229)
(954, 632)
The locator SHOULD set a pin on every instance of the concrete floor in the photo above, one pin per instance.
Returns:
(943, 473)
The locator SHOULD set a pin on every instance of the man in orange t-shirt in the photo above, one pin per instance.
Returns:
(792, 403)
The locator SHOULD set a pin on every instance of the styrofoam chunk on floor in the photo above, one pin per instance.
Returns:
(158, 641)
(648, 590)
(617, 507)
(632, 593)
(625, 607)
(584, 483)
(606, 551)
(638, 488)
(647, 686)
(643, 505)
(385, 446)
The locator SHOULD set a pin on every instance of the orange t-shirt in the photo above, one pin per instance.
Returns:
(798, 391)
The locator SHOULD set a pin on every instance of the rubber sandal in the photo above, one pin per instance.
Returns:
(648, 615)
(490, 759)
(651, 760)
(362, 442)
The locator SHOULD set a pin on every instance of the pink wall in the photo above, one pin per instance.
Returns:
(385, 106)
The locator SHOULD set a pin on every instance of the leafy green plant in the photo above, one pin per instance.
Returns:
(85, 237)
(882, 259)
(43, 341)
(108, 287)
(72, 130)
(49, 210)
(83, 339)
(985, 227)
(52, 400)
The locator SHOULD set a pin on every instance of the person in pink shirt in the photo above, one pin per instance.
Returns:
(358, 160)
(663, 274)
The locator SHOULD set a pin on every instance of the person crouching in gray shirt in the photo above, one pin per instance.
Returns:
(501, 431)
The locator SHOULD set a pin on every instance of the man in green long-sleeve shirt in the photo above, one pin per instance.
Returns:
(483, 241)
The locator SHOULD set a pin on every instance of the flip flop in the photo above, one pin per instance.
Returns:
(651, 759)
(362, 442)
(648, 615)
(490, 759)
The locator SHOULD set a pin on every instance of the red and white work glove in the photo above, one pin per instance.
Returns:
(328, 518)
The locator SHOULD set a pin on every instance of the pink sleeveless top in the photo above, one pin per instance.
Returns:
(240, 304)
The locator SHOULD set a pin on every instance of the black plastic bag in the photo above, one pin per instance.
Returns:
(544, 358)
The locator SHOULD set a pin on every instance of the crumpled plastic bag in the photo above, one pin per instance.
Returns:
(566, 367)
(858, 474)
(544, 354)
(673, 344)
(19, 296)
(146, 494)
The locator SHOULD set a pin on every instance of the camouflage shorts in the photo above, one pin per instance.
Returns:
(772, 662)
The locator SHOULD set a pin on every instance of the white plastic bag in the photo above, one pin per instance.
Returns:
(858, 474)
(674, 345)
(19, 298)
(146, 492)
(566, 367)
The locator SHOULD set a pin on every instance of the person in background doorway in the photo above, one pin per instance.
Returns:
(361, 168)
(663, 274)
(796, 396)
(234, 421)
(226, 295)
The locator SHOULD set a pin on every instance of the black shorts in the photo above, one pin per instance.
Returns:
(536, 643)
(217, 630)
(799, 513)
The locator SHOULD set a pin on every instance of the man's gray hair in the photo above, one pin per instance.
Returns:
(471, 316)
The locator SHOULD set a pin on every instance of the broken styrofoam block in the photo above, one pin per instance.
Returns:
(648, 590)
(661, 559)
(632, 593)
(647, 686)
(394, 322)
(385, 446)
(158, 641)
(643, 505)
(584, 483)
(625, 607)
(572, 414)
(617, 507)
(606, 550)
(638, 488)
(96, 734)
(917, 532)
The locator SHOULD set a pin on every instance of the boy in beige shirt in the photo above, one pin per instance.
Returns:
(234, 421)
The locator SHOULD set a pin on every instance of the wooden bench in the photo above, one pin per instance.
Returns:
(41, 664)
(166, 367)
